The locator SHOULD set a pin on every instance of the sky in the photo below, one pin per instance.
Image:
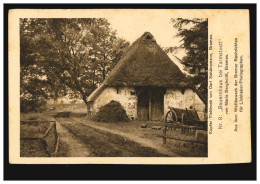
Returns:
(161, 29)
(133, 28)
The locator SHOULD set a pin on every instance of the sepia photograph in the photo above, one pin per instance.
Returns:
(130, 89)
(108, 87)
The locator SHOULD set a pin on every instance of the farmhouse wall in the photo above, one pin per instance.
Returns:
(124, 95)
(189, 99)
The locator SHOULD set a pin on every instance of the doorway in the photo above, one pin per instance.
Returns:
(143, 106)
(150, 104)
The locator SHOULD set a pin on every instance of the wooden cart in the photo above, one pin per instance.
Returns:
(183, 116)
(184, 119)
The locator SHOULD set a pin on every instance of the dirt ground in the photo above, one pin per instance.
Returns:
(81, 137)
(74, 147)
(152, 138)
(102, 143)
(125, 139)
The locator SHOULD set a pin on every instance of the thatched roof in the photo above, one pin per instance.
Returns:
(145, 64)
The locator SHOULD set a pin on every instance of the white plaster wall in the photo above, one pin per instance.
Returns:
(175, 98)
(200, 107)
(172, 98)
(198, 104)
(124, 97)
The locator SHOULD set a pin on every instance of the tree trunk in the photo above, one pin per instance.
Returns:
(55, 98)
(104, 73)
(93, 78)
(84, 98)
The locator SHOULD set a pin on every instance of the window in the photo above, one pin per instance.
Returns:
(132, 92)
(148, 37)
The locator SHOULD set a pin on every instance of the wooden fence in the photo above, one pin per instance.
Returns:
(184, 128)
(50, 138)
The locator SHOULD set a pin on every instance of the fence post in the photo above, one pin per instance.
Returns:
(55, 129)
(164, 133)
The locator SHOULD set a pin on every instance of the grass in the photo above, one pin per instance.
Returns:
(34, 116)
(33, 148)
(187, 149)
(63, 149)
(183, 148)
(31, 133)
(34, 129)
(75, 108)
(105, 144)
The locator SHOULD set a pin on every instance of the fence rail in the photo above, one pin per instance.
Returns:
(171, 126)
(50, 137)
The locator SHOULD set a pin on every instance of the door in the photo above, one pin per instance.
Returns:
(157, 99)
(143, 106)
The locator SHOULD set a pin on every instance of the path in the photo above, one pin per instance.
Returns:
(75, 147)
(103, 143)
(143, 141)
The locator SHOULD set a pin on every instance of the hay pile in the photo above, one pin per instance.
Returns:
(111, 112)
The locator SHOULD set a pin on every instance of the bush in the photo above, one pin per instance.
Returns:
(29, 105)
(111, 112)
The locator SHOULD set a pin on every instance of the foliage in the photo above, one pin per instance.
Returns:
(194, 40)
(66, 56)
(33, 96)
(111, 112)
(32, 105)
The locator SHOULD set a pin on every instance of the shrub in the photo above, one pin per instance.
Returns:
(111, 112)
(29, 105)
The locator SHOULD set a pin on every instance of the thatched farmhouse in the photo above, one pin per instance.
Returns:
(147, 82)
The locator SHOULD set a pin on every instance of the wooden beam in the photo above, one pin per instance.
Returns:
(150, 105)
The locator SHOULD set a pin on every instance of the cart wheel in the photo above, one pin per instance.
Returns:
(184, 119)
(170, 117)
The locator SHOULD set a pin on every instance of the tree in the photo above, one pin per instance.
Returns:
(69, 55)
(32, 86)
(194, 40)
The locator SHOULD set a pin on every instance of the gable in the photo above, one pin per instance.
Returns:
(146, 64)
